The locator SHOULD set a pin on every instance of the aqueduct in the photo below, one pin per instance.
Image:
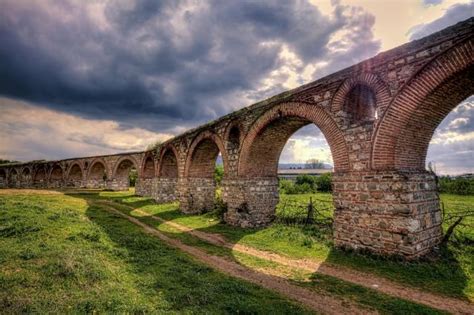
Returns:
(378, 117)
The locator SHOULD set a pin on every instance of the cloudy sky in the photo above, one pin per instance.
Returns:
(96, 77)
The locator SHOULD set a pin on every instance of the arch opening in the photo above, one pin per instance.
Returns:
(204, 171)
(203, 159)
(148, 168)
(75, 176)
(264, 152)
(260, 156)
(125, 175)
(360, 103)
(97, 175)
(26, 176)
(413, 141)
(169, 164)
(3, 178)
(451, 149)
(13, 178)
(56, 177)
(40, 177)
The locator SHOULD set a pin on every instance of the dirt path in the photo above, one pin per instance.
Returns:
(317, 302)
(367, 280)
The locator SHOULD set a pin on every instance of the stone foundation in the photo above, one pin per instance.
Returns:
(144, 187)
(119, 184)
(197, 195)
(387, 212)
(164, 189)
(96, 184)
(250, 202)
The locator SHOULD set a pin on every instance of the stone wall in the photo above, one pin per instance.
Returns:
(250, 202)
(165, 189)
(197, 195)
(387, 211)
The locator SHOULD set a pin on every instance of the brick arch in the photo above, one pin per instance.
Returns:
(148, 170)
(402, 138)
(13, 177)
(268, 135)
(96, 166)
(230, 138)
(376, 84)
(168, 166)
(26, 174)
(56, 173)
(73, 171)
(40, 175)
(202, 154)
(125, 163)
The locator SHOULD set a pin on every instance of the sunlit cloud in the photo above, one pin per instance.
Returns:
(28, 132)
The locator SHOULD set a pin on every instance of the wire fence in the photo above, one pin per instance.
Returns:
(313, 211)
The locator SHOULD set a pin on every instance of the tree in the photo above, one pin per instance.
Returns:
(218, 174)
(314, 164)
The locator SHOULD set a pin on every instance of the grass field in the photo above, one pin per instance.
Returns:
(65, 253)
(451, 274)
(59, 254)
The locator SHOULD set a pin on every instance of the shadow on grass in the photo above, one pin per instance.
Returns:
(442, 275)
(187, 286)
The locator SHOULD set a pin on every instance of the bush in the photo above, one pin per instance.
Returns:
(306, 184)
(324, 182)
(457, 185)
(218, 174)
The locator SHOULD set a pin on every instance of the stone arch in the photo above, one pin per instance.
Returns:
(3, 178)
(26, 175)
(40, 176)
(123, 166)
(13, 177)
(401, 139)
(233, 136)
(169, 162)
(264, 142)
(367, 80)
(56, 176)
(202, 155)
(75, 174)
(148, 169)
(120, 177)
(97, 170)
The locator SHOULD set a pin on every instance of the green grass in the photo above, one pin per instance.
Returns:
(63, 254)
(451, 274)
(357, 294)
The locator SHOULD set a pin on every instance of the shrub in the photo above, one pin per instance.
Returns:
(305, 184)
(324, 182)
(218, 174)
(458, 185)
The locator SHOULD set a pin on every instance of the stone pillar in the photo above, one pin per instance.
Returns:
(196, 194)
(387, 212)
(250, 202)
(164, 189)
(144, 186)
(118, 184)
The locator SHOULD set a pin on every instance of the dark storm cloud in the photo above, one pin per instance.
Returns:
(454, 14)
(164, 63)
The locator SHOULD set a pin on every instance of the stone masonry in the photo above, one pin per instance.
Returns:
(378, 117)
